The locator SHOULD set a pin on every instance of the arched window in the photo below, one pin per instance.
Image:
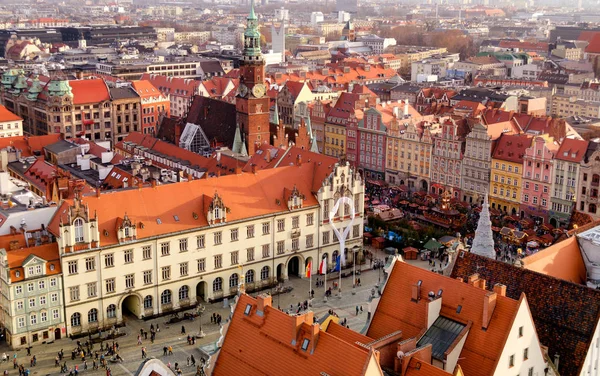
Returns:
(234, 280)
(184, 292)
(165, 297)
(264, 273)
(111, 311)
(93, 315)
(250, 276)
(148, 301)
(76, 319)
(78, 224)
(218, 284)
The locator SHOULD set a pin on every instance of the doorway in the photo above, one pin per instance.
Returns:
(131, 306)
(201, 292)
(57, 333)
(294, 267)
(280, 273)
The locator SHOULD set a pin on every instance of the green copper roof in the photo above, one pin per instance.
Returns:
(252, 15)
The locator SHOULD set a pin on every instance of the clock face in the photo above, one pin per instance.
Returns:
(259, 90)
(243, 90)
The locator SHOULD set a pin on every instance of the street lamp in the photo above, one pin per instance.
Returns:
(200, 310)
(354, 250)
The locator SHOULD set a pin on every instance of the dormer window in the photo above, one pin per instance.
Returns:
(217, 211)
(78, 225)
(305, 343)
(127, 232)
(247, 309)
(18, 274)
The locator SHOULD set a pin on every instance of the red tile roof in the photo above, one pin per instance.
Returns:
(47, 252)
(562, 260)
(511, 147)
(89, 91)
(572, 150)
(145, 89)
(249, 337)
(187, 201)
(6, 115)
(396, 311)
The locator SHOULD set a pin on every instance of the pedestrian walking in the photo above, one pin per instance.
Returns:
(170, 350)
(193, 360)
(356, 310)
(139, 342)
(165, 349)
(188, 361)
(182, 329)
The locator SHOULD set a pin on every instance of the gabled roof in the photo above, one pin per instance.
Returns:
(396, 311)
(145, 89)
(565, 314)
(6, 115)
(215, 117)
(572, 150)
(267, 330)
(163, 202)
(562, 260)
(511, 147)
(47, 252)
(89, 91)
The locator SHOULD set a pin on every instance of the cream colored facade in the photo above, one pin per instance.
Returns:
(565, 106)
(11, 128)
(168, 272)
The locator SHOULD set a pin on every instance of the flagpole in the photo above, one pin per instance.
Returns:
(324, 261)
(340, 276)
(309, 279)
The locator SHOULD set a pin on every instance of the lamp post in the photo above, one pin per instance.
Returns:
(200, 310)
(354, 250)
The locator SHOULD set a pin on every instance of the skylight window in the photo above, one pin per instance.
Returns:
(158, 221)
(247, 309)
(176, 218)
(458, 309)
(305, 343)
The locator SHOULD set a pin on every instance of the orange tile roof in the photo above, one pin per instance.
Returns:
(346, 334)
(37, 143)
(145, 89)
(273, 332)
(6, 115)
(574, 150)
(89, 91)
(48, 252)
(246, 195)
(172, 85)
(495, 130)
(511, 147)
(396, 311)
(562, 260)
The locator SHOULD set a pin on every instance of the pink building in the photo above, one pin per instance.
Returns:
(352, 143)
(371, 144)
(538, 167)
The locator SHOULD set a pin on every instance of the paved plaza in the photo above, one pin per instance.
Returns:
(170, 334)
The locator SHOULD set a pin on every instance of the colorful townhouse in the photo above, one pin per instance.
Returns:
(448, 152)
(507, 172)
(538, 169)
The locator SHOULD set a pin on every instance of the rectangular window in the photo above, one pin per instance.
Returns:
(526, 353)
(109, 260)
(250, 231)
(90, 264)
(110, 285)
(234, 234)
(183, 245)
(266, 250)
(200, 241)
(72, 267)
(295, 244)
(18, 289)
(42, 300)
(326, 237)
(33, 319)
(183, 269)
(55, 314)
(74, 293)
(129, 281)
(165, 249)
(147, 277)
(309, 219)
(165, 272)
(52, 282)
(355, 231)
(250, 254)
(54, 297)
(280, 247)
(218, 261)
(235, 256)
(41, 285)
(281, 225)
(43, 316)
(217, 237)
(21, 322)
(520, 331)
(530, 372)
(266, 228)
(20, 305)
(309, 241)
(147, 252)
(295, 222)
(511, 361)
(92, 289)
(30, 287)
(201, 265)
(31, 303)
(128, 255)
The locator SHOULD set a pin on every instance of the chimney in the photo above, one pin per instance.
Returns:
(415, 295)
(263, 301)
(299, 160)
(98, 192)
(472, 279)
(482, 283)
(406, 108)
(500, 289)
(489, 304)
(268, 157)
(153, 183)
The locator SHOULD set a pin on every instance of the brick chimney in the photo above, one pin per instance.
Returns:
(98, 191)
(263, 301)
(489, 304)
(500, 289)
(298, 160)
(472, 279)
(415, 295)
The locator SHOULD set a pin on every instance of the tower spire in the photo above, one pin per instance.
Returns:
(483, 243)
(252, 15)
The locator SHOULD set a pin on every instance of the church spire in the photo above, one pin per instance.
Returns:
(252, 15)
(483, 243)
(252, 36)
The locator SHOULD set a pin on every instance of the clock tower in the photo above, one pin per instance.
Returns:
(252, 103)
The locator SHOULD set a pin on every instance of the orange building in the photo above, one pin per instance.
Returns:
(155, 105)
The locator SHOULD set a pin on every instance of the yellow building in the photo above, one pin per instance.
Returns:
(507, 172)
